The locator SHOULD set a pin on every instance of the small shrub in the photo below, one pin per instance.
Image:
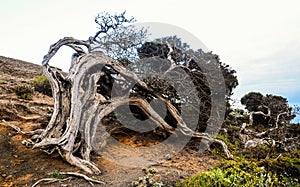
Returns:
(238, 173)
(258, 153)
(24, 91)
(150, 179)
(234, 145)
(41, 84)
(288, 163)
(57, 175)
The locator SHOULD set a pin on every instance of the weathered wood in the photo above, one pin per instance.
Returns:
(79, 109)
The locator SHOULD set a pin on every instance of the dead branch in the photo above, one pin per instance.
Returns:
(50, 180)
(258, 113)
(19, 130)
(267, 137)
(82, 176)
(262, 134)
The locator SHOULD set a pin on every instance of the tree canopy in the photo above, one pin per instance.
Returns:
(275, 110)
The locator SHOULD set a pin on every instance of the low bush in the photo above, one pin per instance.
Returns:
(239, 173)
(287, 163)
(24, 91)
(41, 84)
(233, 145)
(55, 174)
(150, 179)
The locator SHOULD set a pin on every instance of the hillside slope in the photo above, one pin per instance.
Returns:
(18, 69)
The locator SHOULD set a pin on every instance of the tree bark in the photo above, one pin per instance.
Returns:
(78, 108)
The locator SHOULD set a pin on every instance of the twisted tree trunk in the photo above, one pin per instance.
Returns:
(78, 108)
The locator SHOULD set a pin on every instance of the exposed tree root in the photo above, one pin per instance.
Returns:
(85, 165)
(82, 176)
(52, 180)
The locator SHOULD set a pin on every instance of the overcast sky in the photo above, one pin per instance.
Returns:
(260, 39)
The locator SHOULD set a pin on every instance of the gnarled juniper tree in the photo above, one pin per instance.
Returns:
(271, 117)
(107, 65)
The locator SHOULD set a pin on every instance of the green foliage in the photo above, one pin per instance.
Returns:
(252, 101)
(238, 173)
(274, 171)
(257, 153)
(183, 55)
(41, 84)
(57, 175)
(255, 101)
(236, 118)
(150, 179)
(24, 91)
(233, 146)
(288, 164)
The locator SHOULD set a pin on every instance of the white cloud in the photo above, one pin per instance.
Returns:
(260, 39)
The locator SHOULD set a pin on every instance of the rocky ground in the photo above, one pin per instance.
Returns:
(22, 166)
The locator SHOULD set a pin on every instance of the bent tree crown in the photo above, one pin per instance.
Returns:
(99, 76)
